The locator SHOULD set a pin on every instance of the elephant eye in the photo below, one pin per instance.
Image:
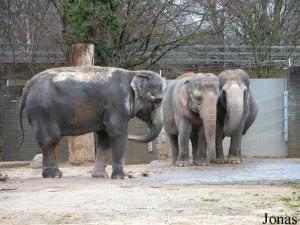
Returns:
(223, 92)
(223, 96)
(245, 92)
(157, 101)
(198, 98)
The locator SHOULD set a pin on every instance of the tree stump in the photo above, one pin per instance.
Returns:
(82, 148)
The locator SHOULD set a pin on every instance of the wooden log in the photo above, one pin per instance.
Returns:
(82, 148)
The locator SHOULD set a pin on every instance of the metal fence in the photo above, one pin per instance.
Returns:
(32, 54)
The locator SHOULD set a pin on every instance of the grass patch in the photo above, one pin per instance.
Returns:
(296, 186)
(291, 202)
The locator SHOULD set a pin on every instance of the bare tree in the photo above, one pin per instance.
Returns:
(134, 32)
(26, 27)
(260, 25)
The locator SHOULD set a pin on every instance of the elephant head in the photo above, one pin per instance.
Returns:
(234, 86)
(203, 93)
(146, 93)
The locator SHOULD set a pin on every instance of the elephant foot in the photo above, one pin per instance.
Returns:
(51, 172)
(183, 163)
(100, 174)
(220, 160)
(233, 160)
(201, 162)
(118, 172)
(99, 170)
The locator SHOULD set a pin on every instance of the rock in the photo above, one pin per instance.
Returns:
(146, 173)
(37, 161)
(3, 176)
(130, 174)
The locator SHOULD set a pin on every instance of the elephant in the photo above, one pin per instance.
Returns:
(189, 112)
(71, 101)
(237, 111)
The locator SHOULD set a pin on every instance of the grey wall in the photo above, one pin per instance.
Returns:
(136, 153)
(266, 136)
(9, 96)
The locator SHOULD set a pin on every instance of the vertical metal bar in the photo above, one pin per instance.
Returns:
(285, 115)
(150, 146)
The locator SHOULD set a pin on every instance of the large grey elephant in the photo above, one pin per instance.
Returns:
(237, 111)
(189, 112)
(72, 101)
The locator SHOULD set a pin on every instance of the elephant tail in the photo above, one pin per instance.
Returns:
(22, 105)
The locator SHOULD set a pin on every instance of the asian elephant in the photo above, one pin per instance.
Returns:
(189, 112)
(237, 111)
(71, 101)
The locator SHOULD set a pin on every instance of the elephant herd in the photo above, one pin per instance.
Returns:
(204, 108)
(200, 107)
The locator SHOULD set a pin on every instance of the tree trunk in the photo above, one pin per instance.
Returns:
(82, 148)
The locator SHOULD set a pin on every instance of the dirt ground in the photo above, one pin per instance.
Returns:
(217, 194)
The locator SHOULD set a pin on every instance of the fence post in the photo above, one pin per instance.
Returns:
(82, 148)
(285, 115)
(294, 112)
(163, 148)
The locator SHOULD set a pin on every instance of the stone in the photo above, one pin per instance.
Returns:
(37, 161)
(3, 176)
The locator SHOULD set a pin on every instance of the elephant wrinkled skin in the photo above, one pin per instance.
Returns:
(189, 112)
(71, 101)
(237, 111)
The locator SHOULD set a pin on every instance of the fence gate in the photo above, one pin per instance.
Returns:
(266, 137)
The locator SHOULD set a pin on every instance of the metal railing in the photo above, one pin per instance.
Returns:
(32, 54)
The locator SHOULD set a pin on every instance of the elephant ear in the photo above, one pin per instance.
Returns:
(137, 85)
(184, 93)
(187, 85)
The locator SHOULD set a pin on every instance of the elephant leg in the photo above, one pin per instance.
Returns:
(202, 148)
(219, 144)
(234, 156)
(117, 129)
(118, 144)
(173, 141)
(183, 143)
(47, 136)
(194, 140)
(103, 146)
(50, 167)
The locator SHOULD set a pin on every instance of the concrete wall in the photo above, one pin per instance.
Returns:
(266, 136)
(136, 153)
(12, 133)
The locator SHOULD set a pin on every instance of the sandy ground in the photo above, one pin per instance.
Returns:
(167, 196)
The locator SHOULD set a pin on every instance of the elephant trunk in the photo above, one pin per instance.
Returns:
(155, 126)
(209, 118)
(234, 112)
